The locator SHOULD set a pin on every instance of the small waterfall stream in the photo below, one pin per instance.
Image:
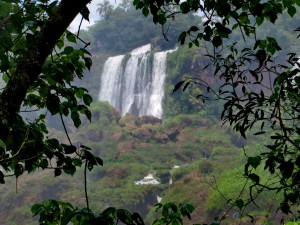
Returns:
(135, 84)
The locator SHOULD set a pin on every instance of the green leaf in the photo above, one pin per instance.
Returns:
(2, 181)
(254, 161)
(67, 216)
(68, 50)
(286, 169)
(259, 20)
(145, 11)
(184, 7)
(124, 216)
(52, 103)
(99, 161)
(85, 12)
(70, 37)
(178, 85)
(60, 43)
(18, 170)
(4, 66)
(35, 209)
(76, 118)
(87, 99)
(259, 133)
(223, 29)
(217, 41)
(137, 219)
(291, 11)
(57, 172)
(85, 51)
(182, 37)
(194, 28)
(53, 143)
(69, 169)
(76, 162)
(88, 62)
(261, 55)
(90, 166)
(2, 145)
(190, 208)
(255, 178)
(44, 163)
(69, 149)
(240, 204)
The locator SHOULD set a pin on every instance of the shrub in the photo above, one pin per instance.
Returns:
(205, 167)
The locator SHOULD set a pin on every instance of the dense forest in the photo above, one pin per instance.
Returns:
(190, 154)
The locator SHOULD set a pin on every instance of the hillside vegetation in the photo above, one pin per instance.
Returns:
(210, 162)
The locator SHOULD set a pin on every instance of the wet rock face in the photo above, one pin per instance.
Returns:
(147, 120)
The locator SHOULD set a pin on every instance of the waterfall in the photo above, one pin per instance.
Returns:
(135, 84)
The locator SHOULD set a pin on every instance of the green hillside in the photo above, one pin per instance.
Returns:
(209, 161)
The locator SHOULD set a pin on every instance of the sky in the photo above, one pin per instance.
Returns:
(94, 16)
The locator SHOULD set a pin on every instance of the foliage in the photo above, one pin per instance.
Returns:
(39, 65)
(114, 183)
(172, 214)
(56, 212)
(181, 62)
(126, 21)
(184, 63)
(256, 89)
(45, 86)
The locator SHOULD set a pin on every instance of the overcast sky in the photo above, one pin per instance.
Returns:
(93, 15)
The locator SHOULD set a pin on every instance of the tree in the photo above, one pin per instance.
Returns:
(30, 32)
(259, 93)
(104, 9)
(38, 68)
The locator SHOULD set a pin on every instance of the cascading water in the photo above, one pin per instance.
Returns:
(135, 84)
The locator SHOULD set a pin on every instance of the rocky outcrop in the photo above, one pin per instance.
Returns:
(147, 120)
(118, 136)
(125, 147)
(142, 133)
